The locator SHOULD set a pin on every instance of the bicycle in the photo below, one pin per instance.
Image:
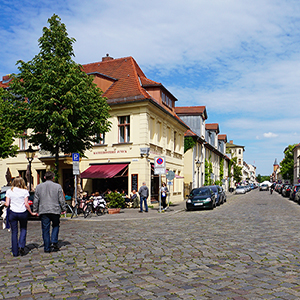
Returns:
(88, 208)
(78, 208)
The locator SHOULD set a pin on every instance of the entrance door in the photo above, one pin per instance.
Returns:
(68, 182)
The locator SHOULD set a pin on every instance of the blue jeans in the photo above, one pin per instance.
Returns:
(143, 199)
(46, 221)
(14, 219)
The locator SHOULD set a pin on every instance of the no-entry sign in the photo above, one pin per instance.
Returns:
(159, 165)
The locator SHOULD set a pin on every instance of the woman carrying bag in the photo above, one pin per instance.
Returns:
(17, 199)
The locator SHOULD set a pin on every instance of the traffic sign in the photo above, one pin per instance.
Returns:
(170, 175)
(159, 162)
(75, 156)
(159, 171)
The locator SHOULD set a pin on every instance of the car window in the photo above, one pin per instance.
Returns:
(200, 192)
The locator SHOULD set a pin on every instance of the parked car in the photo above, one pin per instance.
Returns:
(218, 193)
(294, 190)
(297, 197)
(240, 189)
(286, 190)
(264, 187)
(202, 197)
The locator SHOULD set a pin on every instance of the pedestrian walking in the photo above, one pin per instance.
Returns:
(49, 203)
(164, 191)
(144, 194)
(17, 200)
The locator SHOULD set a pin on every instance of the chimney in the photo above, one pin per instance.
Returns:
(107, 57)
(231, 142)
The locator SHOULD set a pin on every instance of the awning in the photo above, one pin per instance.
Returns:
(103, 171)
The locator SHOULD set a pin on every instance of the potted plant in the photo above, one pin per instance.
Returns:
(115, 202)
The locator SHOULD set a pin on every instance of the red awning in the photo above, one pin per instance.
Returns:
(103, 171)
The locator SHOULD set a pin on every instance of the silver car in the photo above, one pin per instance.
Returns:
(240, 189)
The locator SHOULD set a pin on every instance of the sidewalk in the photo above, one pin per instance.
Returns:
(133, 213)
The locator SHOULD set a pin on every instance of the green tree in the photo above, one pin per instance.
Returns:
(221, 169)
(207, 174)
(65, 109)
(237, 170)
(189, 143)
(258, 178)
(7, 128)
(287, 164)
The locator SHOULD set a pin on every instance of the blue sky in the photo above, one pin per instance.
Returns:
(239, 58)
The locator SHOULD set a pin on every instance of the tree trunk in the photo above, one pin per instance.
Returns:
(56, 163)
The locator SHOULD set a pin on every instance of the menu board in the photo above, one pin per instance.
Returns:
(134, 182)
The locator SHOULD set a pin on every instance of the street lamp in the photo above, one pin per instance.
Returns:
(198, 164)
(30, 156)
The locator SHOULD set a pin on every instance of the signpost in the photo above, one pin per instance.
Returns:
(170, 176)
(159, 168)
(75, 160)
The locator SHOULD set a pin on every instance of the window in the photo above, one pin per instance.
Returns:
(175, 141)
(23, 141)
(158, 132)
(240, 161)
(124, 129)
(240, 152)
(100, 139)
(166, 100)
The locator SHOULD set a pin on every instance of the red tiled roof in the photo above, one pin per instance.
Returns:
(212, 126)
(190, 133)
(126, 82)
(222, 137)
(191, 110)
(127, 74)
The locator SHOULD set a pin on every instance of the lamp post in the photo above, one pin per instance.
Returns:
(198, 164)
(30, 155)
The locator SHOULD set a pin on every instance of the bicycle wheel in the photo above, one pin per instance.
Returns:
(87, 211)
(75, 211)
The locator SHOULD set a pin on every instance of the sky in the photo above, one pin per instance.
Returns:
(239, 58)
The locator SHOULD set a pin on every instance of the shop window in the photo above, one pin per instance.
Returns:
(124, 129)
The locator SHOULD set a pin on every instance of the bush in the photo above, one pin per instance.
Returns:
(115, 200)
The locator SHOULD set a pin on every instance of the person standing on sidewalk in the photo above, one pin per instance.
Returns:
(144, 194)
(17, 199)
(164, 191)
(49, 203)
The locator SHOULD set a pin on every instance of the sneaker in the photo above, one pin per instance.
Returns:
(140, 211)
(22, 251)
(55, 247)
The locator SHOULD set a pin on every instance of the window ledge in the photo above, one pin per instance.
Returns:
(122, 144)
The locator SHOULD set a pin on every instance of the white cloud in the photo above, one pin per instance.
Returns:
(270, 135)
(239, 58)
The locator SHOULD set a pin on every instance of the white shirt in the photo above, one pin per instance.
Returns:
(17, 199)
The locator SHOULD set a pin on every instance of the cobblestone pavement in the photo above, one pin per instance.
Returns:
(247, 248)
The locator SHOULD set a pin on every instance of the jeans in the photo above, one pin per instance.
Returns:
(143, 199)
(14, 219)
(163, 202)
(46, 221)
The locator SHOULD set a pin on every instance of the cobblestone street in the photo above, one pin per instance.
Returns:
(248, 248)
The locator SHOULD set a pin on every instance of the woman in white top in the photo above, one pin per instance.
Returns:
(17, 199)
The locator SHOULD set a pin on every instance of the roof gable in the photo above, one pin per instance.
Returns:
(212, 127)
(191, 111)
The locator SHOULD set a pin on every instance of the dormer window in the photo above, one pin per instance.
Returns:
(166, 100)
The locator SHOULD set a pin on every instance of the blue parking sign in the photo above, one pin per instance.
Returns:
(75, 156)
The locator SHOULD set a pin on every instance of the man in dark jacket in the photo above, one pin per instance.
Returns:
(49, 203)
(144, 194)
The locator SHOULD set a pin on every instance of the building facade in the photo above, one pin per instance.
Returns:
(144, 126)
